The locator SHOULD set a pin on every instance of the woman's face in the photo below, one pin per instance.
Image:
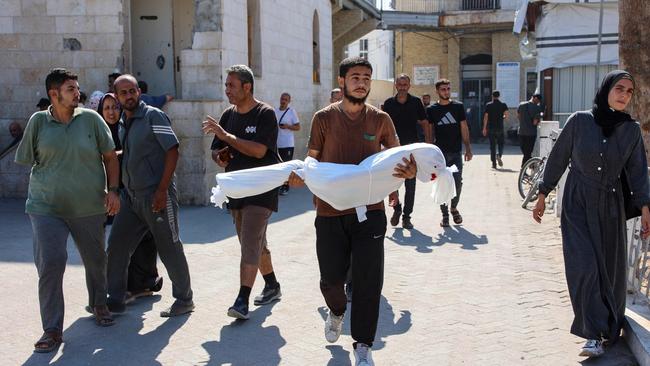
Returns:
(110, 111)
(621, 94)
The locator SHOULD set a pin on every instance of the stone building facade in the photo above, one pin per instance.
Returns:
(181, 47)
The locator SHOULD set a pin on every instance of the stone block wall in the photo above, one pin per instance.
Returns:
(86, 36)
(14, 178)
(195, 173)
(286, 31)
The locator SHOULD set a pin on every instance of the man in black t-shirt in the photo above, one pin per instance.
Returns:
(407, 112)
(451, 132)
(495, 112)
(246, 137)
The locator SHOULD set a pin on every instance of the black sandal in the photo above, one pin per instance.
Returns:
(458, 219)
(104, 318)
(445, 221)
(48, 342)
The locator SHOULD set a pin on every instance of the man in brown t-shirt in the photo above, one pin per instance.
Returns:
(347, 132)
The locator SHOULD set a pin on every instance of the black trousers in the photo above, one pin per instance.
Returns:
(496, 145)
(142, 268)
(286, 154)
(341, 242)
(527, 143)
(409, 198)
(454, 159)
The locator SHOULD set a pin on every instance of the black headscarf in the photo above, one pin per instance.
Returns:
(607, 118)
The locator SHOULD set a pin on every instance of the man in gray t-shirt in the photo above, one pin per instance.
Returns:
(529, 114)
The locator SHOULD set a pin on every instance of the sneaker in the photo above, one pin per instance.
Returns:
(592, 348)
(333, 327)
(157, 285)
(363, 355)
(494, 165)
(499, 161)
(445, 221)
(268, 295)
(406, 223)
(394, 220)
(239, 309)
(178, 308)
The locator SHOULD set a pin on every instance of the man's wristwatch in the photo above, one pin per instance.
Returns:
(115, 189)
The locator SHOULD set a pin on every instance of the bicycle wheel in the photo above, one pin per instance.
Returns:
(526, 175)
(531, 195)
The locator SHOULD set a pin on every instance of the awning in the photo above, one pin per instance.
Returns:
(567, 35)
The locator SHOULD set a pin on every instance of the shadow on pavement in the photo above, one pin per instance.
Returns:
(451, 235)
(247, 337)
(417, 239)
(122, 344)
(459, 235)
(386, 326)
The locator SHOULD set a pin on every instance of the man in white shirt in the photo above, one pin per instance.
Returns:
(288, 123)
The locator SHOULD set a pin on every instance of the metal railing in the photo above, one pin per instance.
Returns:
(638, 263)
(440, 6)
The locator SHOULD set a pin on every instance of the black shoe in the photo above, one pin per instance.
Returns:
(500, 161)
(178, 308)
(445, 221)
(394, 220)
(157, 285)
(268, 295)
(115, 307)
(239, 309)
(494, 165)
(406, 223)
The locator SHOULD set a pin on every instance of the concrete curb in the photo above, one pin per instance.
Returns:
(636, 331)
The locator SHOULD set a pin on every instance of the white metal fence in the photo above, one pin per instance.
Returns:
(638, 263)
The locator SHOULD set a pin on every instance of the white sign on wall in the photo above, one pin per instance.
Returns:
(508, 80)
(425, 74)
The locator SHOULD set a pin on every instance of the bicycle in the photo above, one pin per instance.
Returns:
(531, 173)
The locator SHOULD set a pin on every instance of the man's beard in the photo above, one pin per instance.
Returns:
(352, 99)
(73, 104)
(131, 109)
(443, 98)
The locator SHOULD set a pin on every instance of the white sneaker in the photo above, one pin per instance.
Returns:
(592, 348)
(333, 327)
(363, 356)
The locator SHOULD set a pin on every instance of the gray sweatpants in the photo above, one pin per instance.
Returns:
(129, 227)
(50, 256)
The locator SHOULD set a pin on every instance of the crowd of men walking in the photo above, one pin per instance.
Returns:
(114, 165)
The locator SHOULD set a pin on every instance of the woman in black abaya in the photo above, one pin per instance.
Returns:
(598, 146)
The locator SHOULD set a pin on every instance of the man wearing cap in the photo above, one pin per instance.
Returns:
(528, 113)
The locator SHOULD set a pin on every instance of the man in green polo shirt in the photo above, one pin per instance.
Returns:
(71, 153)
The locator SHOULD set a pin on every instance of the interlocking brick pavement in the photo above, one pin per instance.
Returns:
(489, 292)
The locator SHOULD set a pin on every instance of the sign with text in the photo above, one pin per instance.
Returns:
(508, 80)
(425, 74)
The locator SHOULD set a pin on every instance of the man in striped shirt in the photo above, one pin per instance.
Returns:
(149, 156)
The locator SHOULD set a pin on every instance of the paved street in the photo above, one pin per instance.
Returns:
(489, 292)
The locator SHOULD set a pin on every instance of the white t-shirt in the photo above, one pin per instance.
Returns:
(285, 136)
